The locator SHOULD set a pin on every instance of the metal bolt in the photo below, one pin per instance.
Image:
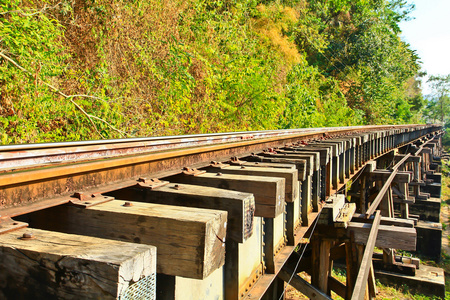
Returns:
(242, 167)
(87, 202)
(128, 204)
(219, 174)
(176, 186)
(142, 179)
(27, 236)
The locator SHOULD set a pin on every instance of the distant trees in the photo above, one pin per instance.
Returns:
(438, 107)
(357, 42)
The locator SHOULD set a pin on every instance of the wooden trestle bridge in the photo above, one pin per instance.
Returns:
(220, 216)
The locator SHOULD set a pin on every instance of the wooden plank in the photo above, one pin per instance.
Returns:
(324, 265)
(337, 286)
(290, 176)
(190, 241)
(331, 209)
(400, 177)
(268, 191)
(312, 158)
(351, 274)
(325, 152)
(403, 238)
(359, 290)
(381, 194)
(55, 265)
(316, 156)
(345, 215)
(306, 204)
(301, 285)
(300, 164)
(384, 221)
(239, 205)
(267, 165)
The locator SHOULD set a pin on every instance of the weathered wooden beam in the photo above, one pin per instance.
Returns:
(345, 215)
(384, 221)
(300, 164)
(386, 185)
(316, 156)
(267, 164)
(53, 265)
(287, 274)
(311, 163)
(331, 209)
(269, 192)
(325, 152)
(290, 176)
(337, 287)
(325, 264)
(359, 289)
(403, 238)
(239, 205)
(400, 177)
(411, 158)
(190, 241)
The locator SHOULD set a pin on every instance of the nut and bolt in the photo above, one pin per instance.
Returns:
(128, 204)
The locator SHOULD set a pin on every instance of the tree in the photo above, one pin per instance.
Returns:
(359, 45)
(439, 101)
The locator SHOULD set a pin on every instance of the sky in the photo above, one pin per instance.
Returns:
(429, 34)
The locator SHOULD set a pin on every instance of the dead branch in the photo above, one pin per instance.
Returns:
(68, 97)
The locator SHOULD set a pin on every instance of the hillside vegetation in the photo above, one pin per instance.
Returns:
(90, 69)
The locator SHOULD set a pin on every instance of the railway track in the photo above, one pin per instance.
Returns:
(213, 216)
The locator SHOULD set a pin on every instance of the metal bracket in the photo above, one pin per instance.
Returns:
(192, 171)
(218, 164)
(151, 183)
(7, 224)
(234, 161)
(86, 201)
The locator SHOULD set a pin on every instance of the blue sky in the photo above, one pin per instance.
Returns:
(429, 34)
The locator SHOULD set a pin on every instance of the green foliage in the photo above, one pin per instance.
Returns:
(360, 47)
(174, 67)
(438, 106)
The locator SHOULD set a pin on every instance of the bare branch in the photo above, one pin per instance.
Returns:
(68, 97)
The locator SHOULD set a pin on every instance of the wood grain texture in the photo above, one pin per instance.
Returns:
(361, 285)
(315, 155)
(65, 266)
(403, 238)
(239, 205)
(269, 192)
(300, 164)
(290, 176)
(309, 159)
(301, 285)
(190, 241)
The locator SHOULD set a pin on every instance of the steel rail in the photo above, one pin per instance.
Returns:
(45, 185)
(260, 133)
(13, 157)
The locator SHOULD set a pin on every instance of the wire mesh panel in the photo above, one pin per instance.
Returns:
(144, 289)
